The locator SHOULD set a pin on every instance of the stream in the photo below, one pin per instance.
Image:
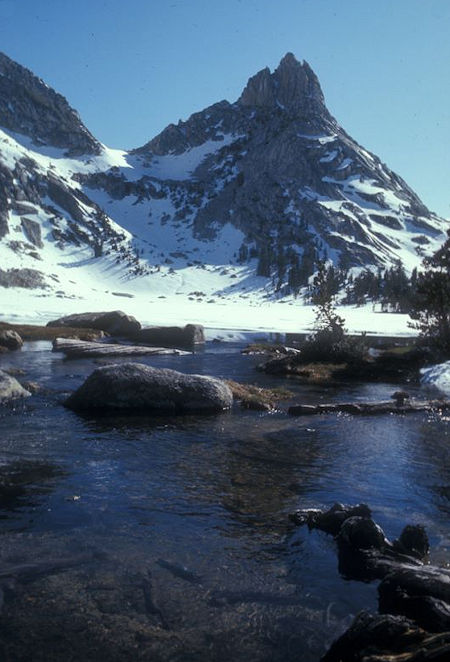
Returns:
(138, 538)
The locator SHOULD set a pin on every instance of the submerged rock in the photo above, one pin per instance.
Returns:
(115, 322)
(10, 389)
(138, 387)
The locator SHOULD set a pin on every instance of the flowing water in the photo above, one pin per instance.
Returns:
(135, 538)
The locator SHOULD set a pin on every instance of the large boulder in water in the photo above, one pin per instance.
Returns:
(10, 389)
(138, 387)
(10, 339)
(172, 336)
(115, 322)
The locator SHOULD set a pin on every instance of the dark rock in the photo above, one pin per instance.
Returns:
(10, 389)
(172, 336)
(116, 323)
(29, 107)
(10, 339)
(361, 533)
(63, 196)
(136, 387)
(364, 551)
(330, 520)
(386, 638)
(408, 590)
(413, 541)
(32, 231)
(293, 86)
(422, 594)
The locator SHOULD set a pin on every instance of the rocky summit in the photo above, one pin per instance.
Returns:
(252, 193)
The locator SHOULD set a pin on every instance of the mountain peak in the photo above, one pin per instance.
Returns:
(293, 86)
(289, 60)
(30, 107)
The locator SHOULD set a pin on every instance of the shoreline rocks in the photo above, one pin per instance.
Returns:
(115, 322)
(137, 387)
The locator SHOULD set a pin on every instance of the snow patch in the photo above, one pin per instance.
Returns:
(438, 376)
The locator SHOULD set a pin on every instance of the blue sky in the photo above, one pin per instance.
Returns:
(130, 68)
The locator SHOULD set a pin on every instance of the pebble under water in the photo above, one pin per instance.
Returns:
(137, 538)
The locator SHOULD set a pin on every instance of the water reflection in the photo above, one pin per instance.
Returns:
(24, 482)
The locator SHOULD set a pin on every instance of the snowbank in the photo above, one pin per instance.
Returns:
(438, 376)
(227, 317)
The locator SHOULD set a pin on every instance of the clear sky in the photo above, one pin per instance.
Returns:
(130, 67)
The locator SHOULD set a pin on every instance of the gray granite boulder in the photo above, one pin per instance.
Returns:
(138, 387)
(10, 389)
(10, 339)
(172, 336)
(114, 322)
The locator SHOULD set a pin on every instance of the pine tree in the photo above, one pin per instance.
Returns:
(431, 304)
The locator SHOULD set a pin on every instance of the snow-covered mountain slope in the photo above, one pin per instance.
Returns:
(237, 202)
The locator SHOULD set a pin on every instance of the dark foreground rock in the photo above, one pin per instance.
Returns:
(364, 551)
(414, 597)
(422, 596)
(386, 638)
(10, 389)
(75, 349)
(137, 387)
(10, 339)
(115, 322)
(172, 336)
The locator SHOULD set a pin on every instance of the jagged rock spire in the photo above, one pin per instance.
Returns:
(292, 86)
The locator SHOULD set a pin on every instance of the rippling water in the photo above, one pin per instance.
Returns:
(175, 532)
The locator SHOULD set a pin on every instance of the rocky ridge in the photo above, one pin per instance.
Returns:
(30, 107)
(264, 186)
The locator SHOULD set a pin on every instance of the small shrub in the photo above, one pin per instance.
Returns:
(329, 342)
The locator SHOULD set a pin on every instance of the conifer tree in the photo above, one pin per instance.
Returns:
(431, 304)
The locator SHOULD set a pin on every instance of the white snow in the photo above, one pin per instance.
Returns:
(232, 313)
(14, 146)
(181, 166)
(322, 138)
(438, 376)
(329, 156)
